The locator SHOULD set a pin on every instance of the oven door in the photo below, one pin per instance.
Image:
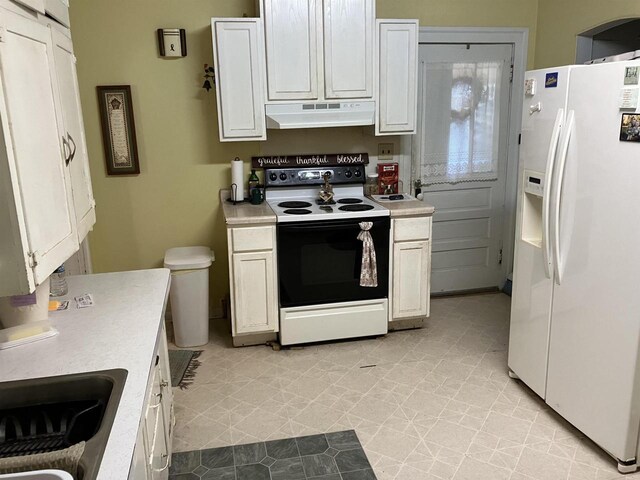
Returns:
(319, 262)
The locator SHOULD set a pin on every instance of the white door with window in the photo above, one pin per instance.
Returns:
(460, 157)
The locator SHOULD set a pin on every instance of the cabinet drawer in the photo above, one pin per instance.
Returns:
(412, 229)
(252, 238)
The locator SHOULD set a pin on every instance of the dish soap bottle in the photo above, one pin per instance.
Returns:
(254, 181)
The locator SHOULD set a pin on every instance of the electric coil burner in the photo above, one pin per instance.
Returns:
(320, 254)
(294, 204)
(297, 211)
(356, 208)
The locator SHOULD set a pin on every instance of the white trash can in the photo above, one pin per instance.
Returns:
(189, 293)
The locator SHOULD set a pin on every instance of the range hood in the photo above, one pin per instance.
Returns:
(318, 115)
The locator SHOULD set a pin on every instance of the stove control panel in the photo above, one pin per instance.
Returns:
(291, 177)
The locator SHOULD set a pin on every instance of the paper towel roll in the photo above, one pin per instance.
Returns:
(237, 177)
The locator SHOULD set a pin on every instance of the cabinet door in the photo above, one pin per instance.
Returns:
(37, 5)
(397, 103)
(139, 467)
(410, 279)
(238, 54)
(165, 388)
(31, 121)
(254, 293)
(291, 49)
(65, 62)
(348, 48)
(159, 458)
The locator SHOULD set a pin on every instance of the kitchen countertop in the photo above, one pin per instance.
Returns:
(245, 213)
(407, 208)
(119, 331)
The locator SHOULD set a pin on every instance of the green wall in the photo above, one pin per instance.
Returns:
(174, 200)
(560, 21)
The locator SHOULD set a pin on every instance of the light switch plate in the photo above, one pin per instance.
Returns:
(385, 151)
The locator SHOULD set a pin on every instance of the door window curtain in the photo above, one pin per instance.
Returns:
(460, 122)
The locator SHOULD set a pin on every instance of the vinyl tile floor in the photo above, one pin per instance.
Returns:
(429, 404)
(331, 456)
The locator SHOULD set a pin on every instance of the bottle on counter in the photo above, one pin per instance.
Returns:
(59, 285)
(254, 181)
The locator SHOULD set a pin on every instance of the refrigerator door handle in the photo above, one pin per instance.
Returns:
(551, 158)
(557, 193)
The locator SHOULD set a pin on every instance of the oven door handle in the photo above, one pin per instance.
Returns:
(324, 225)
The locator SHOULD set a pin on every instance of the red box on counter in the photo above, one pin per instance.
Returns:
(388, 174)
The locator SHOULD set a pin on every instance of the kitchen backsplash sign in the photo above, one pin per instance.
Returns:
(323, 160)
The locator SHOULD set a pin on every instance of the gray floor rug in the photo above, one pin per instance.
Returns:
(183, 365)
(330, 456)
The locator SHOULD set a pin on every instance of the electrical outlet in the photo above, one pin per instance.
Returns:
(385, 151)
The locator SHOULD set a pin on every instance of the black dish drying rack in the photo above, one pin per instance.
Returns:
(48, 428)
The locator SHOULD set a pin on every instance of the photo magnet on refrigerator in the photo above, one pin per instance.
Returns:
(631, 76)
(551, 80)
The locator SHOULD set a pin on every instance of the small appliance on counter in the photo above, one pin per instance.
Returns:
(320, 259)
(24, 318)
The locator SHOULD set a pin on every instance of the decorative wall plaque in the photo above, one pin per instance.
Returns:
(323, 160)
(118, 130)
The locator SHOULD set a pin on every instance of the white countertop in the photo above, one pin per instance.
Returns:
(119, 331)
(245, 213)
(410, 207)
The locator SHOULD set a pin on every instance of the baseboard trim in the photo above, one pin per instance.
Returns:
(254, 339)
(406, 324)
(460, 293)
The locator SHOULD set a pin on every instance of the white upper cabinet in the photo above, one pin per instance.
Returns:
(35, 183)
(348, 48)
(291, 48)
(238, 53)
(65, 63)
(397, 102)
(319, 49)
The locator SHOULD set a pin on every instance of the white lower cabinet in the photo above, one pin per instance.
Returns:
(410, 286)
(253, 280)
(152, 454)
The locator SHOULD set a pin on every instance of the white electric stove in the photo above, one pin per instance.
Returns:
(320, 254)
(295, 204)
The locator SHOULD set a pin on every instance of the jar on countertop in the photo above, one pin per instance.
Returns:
(371, 186)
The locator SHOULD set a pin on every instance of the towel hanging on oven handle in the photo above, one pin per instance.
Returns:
(368, 269)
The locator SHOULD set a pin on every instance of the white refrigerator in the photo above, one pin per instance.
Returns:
(575, 315)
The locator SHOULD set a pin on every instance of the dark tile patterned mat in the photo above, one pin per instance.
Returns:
(330, 456)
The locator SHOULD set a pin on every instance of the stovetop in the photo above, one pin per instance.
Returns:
(295, 204)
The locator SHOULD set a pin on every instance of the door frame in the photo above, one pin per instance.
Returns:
(518, 38)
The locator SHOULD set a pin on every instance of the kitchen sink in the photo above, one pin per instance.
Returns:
(48, 414)
(39, 475)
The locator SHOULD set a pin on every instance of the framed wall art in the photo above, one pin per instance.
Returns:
(118, 130)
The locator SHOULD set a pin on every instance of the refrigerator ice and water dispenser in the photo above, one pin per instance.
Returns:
(532, 207)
